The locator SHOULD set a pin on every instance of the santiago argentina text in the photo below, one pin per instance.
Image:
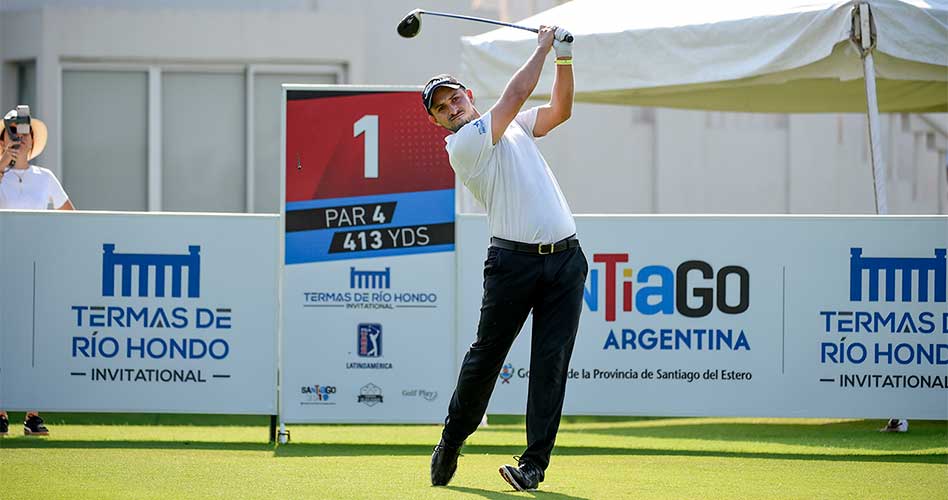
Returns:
(668, 339)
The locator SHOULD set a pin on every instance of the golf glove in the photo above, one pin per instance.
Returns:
(562, 49)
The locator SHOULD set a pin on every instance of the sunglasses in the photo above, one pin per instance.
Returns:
(12, 130)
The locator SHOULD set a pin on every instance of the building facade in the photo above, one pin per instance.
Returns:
(174, 105)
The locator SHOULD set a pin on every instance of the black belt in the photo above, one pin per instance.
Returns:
(536, 248)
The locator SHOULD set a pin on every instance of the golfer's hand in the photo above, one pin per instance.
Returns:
(545, 37)
(562, 49)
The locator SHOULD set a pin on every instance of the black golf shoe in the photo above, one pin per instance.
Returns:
(33, 426)
(526, 477)
(444, 461)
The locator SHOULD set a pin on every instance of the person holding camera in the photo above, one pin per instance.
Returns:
(26, 187)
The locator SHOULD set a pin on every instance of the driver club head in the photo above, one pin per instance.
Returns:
(411, 25)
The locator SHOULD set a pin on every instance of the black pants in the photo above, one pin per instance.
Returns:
(514, 283)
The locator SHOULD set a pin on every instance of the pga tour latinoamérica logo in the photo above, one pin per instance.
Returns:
(369, 345)
(370, 340)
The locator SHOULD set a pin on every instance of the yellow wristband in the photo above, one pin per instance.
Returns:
(564, 62)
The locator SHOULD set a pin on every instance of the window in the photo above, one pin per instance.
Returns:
(202, 142)
(104, 134)
(207, 136)
(26, 83)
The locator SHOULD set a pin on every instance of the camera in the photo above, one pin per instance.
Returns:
(19, 118)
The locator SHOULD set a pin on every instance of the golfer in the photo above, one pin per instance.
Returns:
(534, 261)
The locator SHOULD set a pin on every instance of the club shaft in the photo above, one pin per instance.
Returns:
(479, 19)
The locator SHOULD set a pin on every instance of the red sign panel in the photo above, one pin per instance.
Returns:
(329, 134)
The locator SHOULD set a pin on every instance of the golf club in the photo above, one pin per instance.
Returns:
(411, 25)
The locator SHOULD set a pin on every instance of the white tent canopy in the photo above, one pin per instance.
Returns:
(741, 55)
(762, 56)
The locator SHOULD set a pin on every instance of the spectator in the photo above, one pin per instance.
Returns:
(32, 424)
(22, 185)
(29, 187)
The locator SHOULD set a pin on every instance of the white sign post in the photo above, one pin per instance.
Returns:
(369, 269)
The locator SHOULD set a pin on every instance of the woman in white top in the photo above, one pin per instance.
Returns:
(24, 186)
(28, 187)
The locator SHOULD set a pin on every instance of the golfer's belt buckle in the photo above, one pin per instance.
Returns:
(540, 248)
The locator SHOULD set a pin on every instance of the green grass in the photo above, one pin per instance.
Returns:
(189, 456)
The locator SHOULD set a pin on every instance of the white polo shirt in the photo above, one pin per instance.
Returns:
(33, 188)
(511, 178)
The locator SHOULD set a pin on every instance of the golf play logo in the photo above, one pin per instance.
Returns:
(369, 340)
(427, 395)
(370, 394)
(143, 262)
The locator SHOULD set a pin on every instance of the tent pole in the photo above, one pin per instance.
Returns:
(875, 143)
(872, 108)
(942, 181)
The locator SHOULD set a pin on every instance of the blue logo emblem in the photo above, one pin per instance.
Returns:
(506, 373)
(143, 262)
(925, 267)
(481, 129)
(370, 340)
(370, 279)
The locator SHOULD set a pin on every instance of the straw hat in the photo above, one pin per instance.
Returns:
(38, 128)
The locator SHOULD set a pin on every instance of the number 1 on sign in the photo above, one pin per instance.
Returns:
(369, 124)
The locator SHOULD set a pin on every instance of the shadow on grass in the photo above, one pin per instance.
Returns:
(499, 495)
(146, 419)
(44, 443)
(367, 450)
(347, 449)
(925, 434)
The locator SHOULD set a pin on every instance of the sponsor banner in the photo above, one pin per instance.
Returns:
(369, 341)
(369, 275)
(138, 312)
(746, 316)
